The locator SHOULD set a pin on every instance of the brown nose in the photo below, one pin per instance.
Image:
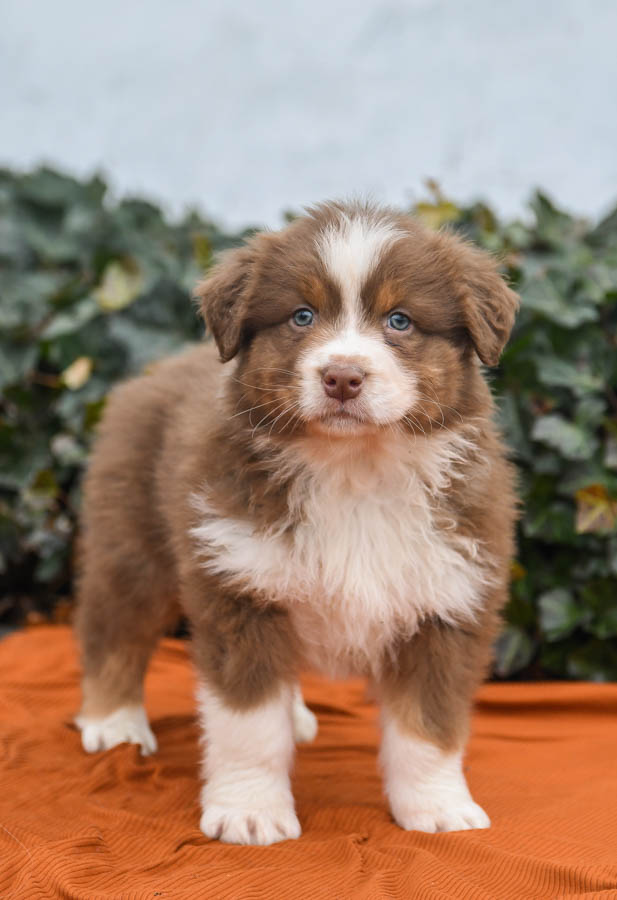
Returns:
(342, 382)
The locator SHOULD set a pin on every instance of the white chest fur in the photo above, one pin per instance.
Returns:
(366, 559)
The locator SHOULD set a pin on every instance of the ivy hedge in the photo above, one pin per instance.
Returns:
(92, 290)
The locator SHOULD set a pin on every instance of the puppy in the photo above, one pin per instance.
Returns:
(334, 496)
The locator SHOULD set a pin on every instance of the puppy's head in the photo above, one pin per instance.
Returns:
(356, 318)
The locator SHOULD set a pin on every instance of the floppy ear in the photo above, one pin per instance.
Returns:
(223, 299)
(488, 305)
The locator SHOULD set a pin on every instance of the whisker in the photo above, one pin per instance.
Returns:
(439, 404)
(435, 403)
(253, 408)
(271, 369)
(411, 420)
(255, 387)
(281, 414)
(274, 421)
(296, 416)
(269, 413)
(441, 424)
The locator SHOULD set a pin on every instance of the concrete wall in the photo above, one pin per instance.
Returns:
(249, 108)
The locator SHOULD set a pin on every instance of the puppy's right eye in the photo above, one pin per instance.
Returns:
(303, 317)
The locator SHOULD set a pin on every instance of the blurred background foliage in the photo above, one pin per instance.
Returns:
(93, 290)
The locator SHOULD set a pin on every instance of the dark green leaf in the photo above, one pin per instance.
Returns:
(559, 613)
(514, 650)
(572, 441)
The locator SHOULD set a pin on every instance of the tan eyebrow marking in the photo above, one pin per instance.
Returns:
(387, 297)
(314, 291)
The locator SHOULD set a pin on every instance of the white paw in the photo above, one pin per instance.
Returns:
(304, 722)
(129, 724)
(438, 814)
(243, 825)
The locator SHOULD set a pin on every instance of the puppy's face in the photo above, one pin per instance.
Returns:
(355, 319)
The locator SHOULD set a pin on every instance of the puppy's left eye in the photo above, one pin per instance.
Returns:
(303, 317)
(399, 321)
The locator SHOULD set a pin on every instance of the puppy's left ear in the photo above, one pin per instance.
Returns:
(488, 305)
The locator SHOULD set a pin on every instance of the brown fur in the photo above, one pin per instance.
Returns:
(164, 434)
(430, 680)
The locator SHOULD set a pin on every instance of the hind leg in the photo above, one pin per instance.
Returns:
(304, 721)
(122, 613)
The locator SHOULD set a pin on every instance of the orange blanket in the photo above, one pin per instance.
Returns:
(542, 761)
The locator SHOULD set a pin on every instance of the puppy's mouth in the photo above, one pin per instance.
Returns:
(343, 417)
(343, 414)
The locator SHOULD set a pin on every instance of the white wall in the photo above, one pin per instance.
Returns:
(247, 108)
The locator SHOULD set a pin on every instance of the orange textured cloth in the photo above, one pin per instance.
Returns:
(542, 761)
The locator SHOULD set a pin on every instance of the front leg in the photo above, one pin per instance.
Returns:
(246, 798)
(246, 656)
(426, 698)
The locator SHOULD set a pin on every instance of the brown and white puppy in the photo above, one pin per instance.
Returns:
(335, 496)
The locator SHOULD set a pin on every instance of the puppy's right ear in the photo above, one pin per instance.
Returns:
(223, 298)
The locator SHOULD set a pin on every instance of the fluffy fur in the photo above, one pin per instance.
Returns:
(364, 530)
(368, 557)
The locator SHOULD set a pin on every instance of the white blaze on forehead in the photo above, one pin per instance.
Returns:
(351, 247)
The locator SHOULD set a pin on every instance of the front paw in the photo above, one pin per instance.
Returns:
(434, 813)
(128, 724)
(244, 825)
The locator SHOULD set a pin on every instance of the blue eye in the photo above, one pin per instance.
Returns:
(303, 317)
(399, 321)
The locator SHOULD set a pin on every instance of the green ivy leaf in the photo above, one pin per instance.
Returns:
(17, 360)
(514, 650)
(572, 441)
(560, 613)
(541, 296)
(554, 372)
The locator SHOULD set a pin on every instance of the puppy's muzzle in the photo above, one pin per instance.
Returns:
(342, 382)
